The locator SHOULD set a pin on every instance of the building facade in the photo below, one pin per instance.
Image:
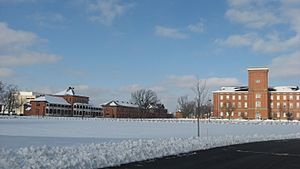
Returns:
(120, 109)
(65, 103)
(257, 100)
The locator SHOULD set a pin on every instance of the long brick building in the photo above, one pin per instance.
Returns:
(64, 103)
(121, 109)
(257, 100)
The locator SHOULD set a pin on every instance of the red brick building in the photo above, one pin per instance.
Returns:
(257, 100)
(120, 109)
(65, 103)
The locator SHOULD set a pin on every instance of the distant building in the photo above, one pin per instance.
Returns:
(64, 103)
(120, 109)
(257, 100)
(24, 98)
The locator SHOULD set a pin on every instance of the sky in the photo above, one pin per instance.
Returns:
(107, 49)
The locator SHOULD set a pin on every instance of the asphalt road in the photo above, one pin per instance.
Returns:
(284, 154)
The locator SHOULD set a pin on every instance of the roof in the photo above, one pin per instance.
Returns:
(120, 103)
(284, 89)
(271, 89)
(233, 89)
(52, 100)
(69, 91)
(258, 68)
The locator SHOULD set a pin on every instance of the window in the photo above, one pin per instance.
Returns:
(246, 105)
(233, 104)
(297, 105)
(278, 97)
(246, 114)
(278, 105)
(258, 104)
(233, 97)
(232, 114)
(258, 95)
(298, 115)
(298, 97)
(245, 97)
(257, 81)
(239, 104)
(239, 97)
(239, 114)
(221, 97)
(278, 114)
(291, 105)
(227, 105)
(291, 97)
(221, 104)
(221, 114)
(284, 114)
(284, 104)
(284, 97)
(272, 97)
(227, 97)
(272, 105)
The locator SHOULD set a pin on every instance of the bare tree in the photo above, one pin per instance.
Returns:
(1, 95)
(187, 107)
(10, 98)
(201, 99)
(144, 98)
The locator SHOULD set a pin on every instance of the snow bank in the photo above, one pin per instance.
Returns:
(112, 154)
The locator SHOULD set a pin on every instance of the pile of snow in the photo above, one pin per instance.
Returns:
(112, 154)
(64, 142)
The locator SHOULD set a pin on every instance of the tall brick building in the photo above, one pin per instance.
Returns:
(257, 100)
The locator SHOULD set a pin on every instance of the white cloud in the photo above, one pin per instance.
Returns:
(197, 28)
(49, 20)
(16, 49)
(253, 13)
(28, 59)
(15, 39)
(106, 11)
(253, 18)
(5, 72)
(239, 40)
(169, 33)
(286, 66)
(189, 81)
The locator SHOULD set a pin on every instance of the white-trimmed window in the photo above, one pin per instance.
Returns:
(239, 97)
(298, 115)
(239, 114)
(258, 95)
(221, 97)
(298, 97)
(233, 104)
(284, 114)
(233, 97)
(278, 97)
(278, 105)
(272, 105)
(239, 104)
(272, 97)
(291, 97)
(227, 114)
(246, 105)
(257, 81)
(232, 114)
(258, 104)
(245, 97)
(227, 97)
(284, 97)
(278, 114)
(221, 114)
(246, 114)
(291, 106)
(221, 104)
(298, 105)
(284, 104)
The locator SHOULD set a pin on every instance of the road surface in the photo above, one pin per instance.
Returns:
(284, 154)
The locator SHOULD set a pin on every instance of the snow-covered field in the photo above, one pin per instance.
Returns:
(31, 142)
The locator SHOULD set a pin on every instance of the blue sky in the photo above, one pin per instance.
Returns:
(108, 48)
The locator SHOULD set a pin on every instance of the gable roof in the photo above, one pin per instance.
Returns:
(120, 103)
(52, 100)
